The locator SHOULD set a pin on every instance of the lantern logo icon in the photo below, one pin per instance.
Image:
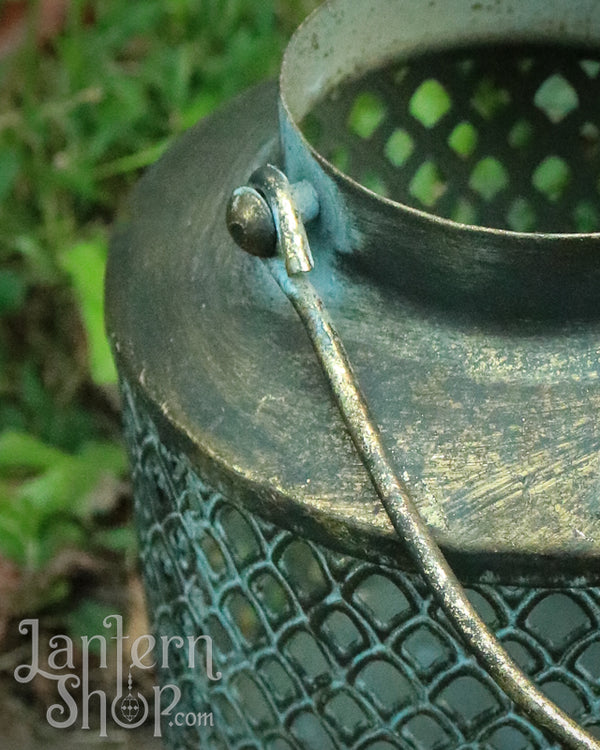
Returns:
(130, 706)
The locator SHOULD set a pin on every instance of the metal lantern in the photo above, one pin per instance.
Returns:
(312, 480)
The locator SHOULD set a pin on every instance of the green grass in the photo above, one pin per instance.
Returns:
(79, 119)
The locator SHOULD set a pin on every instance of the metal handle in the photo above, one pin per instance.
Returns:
(288, 259)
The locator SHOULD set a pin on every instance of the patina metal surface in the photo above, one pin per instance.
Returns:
(319, 649)
(495, 433)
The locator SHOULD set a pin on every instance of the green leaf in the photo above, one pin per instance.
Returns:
(49, 510)
(20, 451)
(202, 105)
(132, 162)
(67, 486)
(120, 539)
(85, 265)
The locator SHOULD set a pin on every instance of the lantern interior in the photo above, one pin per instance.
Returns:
(500, 136)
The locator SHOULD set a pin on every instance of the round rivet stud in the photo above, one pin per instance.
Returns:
(250, 222)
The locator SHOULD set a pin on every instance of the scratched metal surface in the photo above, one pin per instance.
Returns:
(495, 431)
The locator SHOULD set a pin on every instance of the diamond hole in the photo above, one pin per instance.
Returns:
(367, 114)
(373, 182)
(523, 654)
(272, 596)
(178, 540)
(464, 212)
(520, 134)
(556, 620)
(488, 178)
(590, 67)
(488, 99)
(551, 177)
(229, 714)
(219, 635)
(565, 696)
(242, 541)
(429, 103)
(469, 701)
(424, 730)
(251, 698)
(214, 556)
(281, 685)
(508, 736)
(399, 147)
(425, 649)
(556, 97)
(588, 662)
(340, 158)
(521, 216)
(463, 139)
(245, 617)
(387, 688)
(308, 657)
(384, 603)
(347, 716)
(427, 185)
(304, 573)
(310, 732)
(342, 634)
(586, 217)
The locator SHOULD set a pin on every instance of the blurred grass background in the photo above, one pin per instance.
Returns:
(87, 100)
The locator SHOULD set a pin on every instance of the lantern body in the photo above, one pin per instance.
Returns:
(474, 336)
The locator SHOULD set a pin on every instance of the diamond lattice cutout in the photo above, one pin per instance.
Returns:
(491, 139)
(556, 98)
(340, 656)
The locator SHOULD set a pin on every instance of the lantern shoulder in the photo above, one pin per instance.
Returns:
(494, 430)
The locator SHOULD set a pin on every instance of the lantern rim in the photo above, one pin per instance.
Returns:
(493, 272)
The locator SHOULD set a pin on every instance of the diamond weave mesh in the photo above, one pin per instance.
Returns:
(323, 650)
(505, 137)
